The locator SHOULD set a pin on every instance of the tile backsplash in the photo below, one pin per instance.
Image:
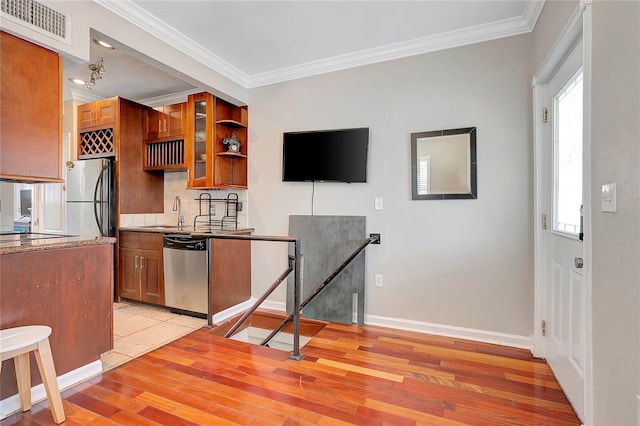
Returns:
(175, 184)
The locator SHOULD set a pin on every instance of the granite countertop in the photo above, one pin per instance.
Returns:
(186, 230)
(27, 242)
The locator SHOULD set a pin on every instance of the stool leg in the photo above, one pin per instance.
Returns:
(48, 373)
(23, 378)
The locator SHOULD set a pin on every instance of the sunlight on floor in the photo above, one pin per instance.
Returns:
(139, 328)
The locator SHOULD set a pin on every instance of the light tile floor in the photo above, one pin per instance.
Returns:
(139, 328)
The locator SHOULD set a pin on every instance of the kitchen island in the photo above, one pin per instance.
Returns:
(65, 282)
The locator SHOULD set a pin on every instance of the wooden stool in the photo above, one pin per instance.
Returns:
(17, 343)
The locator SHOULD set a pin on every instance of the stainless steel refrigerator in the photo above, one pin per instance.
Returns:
(91, 198)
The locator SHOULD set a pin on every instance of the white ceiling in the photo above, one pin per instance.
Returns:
(255, 43)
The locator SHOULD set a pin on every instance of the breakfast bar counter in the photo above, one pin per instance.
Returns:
(28, 242)
(65, 283)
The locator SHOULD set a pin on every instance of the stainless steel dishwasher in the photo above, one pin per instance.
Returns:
(185, 274)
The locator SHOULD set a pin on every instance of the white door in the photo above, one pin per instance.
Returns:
(564, 280)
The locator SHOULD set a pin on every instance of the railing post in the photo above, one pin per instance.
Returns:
(296, 302)
(209, 286)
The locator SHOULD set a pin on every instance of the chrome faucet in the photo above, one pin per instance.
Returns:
(177, 207)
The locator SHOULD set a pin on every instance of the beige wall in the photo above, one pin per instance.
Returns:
(464, 263)
(615, 154)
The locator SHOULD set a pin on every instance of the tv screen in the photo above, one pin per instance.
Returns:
(325, 155)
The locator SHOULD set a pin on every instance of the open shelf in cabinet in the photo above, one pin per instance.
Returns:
(210, 161)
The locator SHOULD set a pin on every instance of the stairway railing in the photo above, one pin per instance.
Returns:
(371, 240)
(294, 266)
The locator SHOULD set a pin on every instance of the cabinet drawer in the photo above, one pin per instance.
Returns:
(150, 241)
(141, 240)
(129, 240)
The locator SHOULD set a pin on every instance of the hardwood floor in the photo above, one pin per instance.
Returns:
(349, 375)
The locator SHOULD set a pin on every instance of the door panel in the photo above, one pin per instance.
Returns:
(128, 278)
(565, 295)
(151, 277)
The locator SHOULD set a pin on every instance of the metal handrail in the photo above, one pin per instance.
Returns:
(297, 306)
(372, 239)
(296, 288)
(262, 298)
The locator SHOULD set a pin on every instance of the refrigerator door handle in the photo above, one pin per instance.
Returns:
(97, 202)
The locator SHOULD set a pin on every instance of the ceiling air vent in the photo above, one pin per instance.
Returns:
(38, 16)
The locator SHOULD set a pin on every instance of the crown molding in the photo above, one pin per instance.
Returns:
(83, 96)
(171, 98)
(476, 34)
(133, 13)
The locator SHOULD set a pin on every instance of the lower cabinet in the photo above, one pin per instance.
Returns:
(140, 267)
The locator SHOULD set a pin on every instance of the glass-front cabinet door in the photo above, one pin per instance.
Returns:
(199, 136)
(217, 143)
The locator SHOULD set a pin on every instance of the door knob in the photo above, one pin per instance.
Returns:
(578, 262)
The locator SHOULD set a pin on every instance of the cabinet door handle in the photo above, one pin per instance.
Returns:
(141, 262)
(136, 263)
(159, 125)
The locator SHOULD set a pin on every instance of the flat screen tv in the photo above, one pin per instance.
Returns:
(325, 155)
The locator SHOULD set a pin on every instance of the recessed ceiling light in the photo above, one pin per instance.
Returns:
(77, 81)
(103, 43)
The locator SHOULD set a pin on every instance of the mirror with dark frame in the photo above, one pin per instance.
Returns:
(444, 164)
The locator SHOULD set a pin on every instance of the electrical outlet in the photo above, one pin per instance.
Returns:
(377, 280)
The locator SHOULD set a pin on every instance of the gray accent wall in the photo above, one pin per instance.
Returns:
(326, 242)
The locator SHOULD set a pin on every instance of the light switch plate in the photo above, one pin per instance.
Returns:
(377, 280)
(377, 203)
(609, 197)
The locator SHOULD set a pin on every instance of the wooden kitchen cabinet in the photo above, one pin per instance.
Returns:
(140, 267)
(164, 133)
(30, 112)
(137, 191)
(212, 163)
(97, 114)
(230, 272)
(168, 121)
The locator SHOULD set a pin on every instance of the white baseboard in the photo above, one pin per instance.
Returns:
(494, 337)
(228, 313)
(503, 339)
(11, 404)
(274, 306)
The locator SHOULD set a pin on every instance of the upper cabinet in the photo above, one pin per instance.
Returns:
(164, 133)
(167, 121)
(97, 114)
(121, 138)
(97, 122)
(30, 112)
(216, 144)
